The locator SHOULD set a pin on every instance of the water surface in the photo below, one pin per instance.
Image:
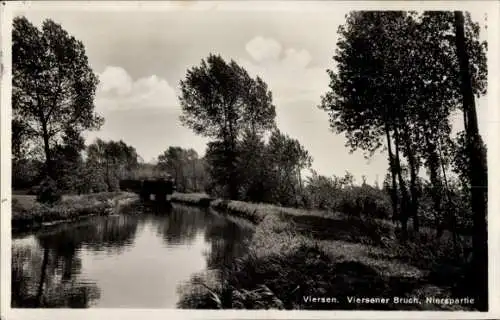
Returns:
(136, 259)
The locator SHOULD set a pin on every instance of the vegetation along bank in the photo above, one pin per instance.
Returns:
(28, 214)
(297, 253)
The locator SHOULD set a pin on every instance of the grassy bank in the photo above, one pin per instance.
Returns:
(298, 253)
(194, 199)
(28, 214)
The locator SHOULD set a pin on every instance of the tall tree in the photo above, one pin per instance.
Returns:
(477, 167)
(185, 166)
(53, 85)
(173, 160)
(218, 100)
(368, 95)
(287, 158)
(397, 75)
(68, 162)
(253, 168)
(113, 159)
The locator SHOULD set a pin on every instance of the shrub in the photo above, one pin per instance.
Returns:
(364, 200)
(48, 191)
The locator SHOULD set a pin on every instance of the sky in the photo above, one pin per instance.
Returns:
(140, 57)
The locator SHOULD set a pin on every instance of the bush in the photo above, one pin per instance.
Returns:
(48, 191)
(364, 200)
(328, 194)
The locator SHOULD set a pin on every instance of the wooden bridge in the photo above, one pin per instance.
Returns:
(160, 188)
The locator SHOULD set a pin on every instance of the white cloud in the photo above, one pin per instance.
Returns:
(118, 91)
(263, 49)
(297, 58)
(290, 76)
(115, 79)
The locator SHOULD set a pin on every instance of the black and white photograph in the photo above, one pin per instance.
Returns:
(245, 156)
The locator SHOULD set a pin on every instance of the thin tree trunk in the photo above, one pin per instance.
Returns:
(436, 189)
(413, 184)
(108, 179)
(195, 184)
(48, 154)
(404, 193)
(300, 181)
(450, 210)
(394, 193)
(477, 171)
(230, 158)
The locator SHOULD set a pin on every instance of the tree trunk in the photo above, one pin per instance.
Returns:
(450, 210)
(394, 193)
(433, 162)
(413, 184)
(300, 182)
(230, 156)
(108, 179)
(195, 184)
(403, 214)
(477, 171)
(48, 154)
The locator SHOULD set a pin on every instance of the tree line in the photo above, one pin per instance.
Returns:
(398, 78)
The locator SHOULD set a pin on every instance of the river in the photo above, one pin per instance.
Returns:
(137, 259)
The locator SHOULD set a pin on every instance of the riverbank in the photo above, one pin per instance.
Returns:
(253, 212)
(193, 199)
(296, 255)
(30, 215)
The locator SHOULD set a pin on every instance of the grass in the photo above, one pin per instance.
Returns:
(254, 212)
(196, 199)
(296, 253)
(28, 214)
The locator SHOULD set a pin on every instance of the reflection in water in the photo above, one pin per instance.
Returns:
(182, 225)
(40, 278)
(136, 259)
(228, 241)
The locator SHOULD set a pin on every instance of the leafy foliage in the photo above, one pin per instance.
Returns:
(398, 75)
(113, 159)
(48, 191)
(220, 100)
(53, 87)
(185, 167)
